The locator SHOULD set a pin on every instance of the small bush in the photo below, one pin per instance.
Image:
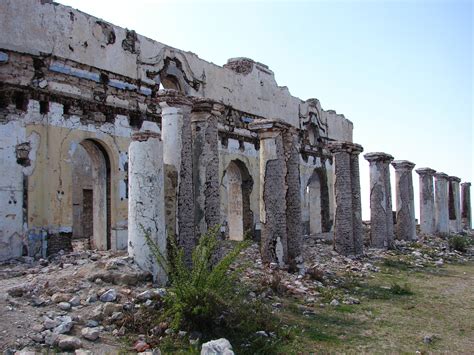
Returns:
(209, 298)
(398, 290)
(458, 242)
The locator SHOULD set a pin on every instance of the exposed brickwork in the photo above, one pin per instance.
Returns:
(293, 199)
(206, 164)
(274, 232)
(58, 242)
(91, 90)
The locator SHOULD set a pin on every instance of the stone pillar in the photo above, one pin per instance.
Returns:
(177, 157)
(406, 223)
(441, 203)
(454, 204)
(204, 119)
(466, 205)
(381, 219)
(427, 212)
(356, 200)
(273, 190)
(348, 239)
(293, 199)
(146, 215)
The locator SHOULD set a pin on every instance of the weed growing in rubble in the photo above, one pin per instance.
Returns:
(208, 297)
(458, 242)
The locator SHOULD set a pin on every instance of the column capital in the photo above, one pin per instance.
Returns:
(145, 135)
(454, 178)
(441, 176)
(425, 171)
(403, 165)
(348, 147)
(378, 156)
(467, 184)
(173, 98)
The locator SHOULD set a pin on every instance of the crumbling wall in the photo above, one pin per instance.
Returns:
(52, 139)
(242, 83)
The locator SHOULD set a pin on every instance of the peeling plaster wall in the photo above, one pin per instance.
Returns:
(53, 139)
(68, 33)
(11, 191)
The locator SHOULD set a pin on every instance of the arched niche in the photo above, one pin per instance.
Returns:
(239, 184)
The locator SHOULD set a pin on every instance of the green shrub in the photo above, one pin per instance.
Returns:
(399, 290)
(458, 242)
(209, 298)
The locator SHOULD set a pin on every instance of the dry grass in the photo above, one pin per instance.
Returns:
(440, 303)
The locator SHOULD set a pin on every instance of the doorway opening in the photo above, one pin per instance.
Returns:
(317, 194)
(92, 195)
(239, 185)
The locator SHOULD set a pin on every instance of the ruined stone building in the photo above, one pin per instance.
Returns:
(106, 135)
(75, 91)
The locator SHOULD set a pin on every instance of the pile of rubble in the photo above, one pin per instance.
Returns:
(80, 301)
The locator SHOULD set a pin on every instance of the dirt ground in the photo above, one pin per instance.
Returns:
(416, 297)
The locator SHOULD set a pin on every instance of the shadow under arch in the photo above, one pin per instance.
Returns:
(239, 187)
(318, 197)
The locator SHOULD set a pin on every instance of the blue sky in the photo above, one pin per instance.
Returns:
(402, 71)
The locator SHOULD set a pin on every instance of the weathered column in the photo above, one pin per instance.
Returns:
(273, 190)
(406, 223)
(348, 239)
(356, 200)
(454, 204)
(204, 119)
(441, 203)
(177, 156)
(427, 211)
(466, 205)
(146, 215)
(381, 219)
(293, 199)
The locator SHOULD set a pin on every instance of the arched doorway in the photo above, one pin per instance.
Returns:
(317, 195)
(239, 185)
(91, 195)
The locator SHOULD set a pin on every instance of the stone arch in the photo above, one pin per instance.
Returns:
(92, 194)
(317, 195)
(239, 185)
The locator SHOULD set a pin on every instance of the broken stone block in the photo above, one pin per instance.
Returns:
(65, 306)
(90, 333)
(66, 342)
(109, 296)
(217, 347)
